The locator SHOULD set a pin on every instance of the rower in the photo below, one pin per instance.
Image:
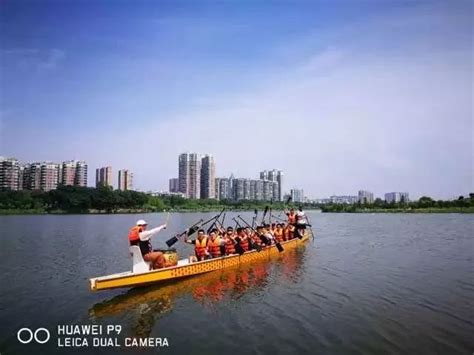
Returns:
(264, 235)
(278, 232)
(229, 241)
(138, 235)
(244, 240)
(214, 244)
(291, 216)
(200, 245)
(289, 232)
(301, 221)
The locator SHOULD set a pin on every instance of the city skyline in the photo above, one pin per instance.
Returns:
(361, 96)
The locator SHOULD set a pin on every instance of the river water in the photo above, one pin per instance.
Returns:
(368, 284)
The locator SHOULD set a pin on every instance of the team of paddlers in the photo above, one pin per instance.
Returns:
(220, 241)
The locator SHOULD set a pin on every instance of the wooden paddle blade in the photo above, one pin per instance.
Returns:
(171, 241)
(279, 247)
(239, 249)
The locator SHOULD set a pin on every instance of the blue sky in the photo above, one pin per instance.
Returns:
(341, 95)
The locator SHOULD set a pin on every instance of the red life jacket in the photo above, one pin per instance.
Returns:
(200, 247)
(244, 243)
(134, 235)
(215, 247)
(229, 246)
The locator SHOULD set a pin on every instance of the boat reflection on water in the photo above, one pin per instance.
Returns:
(146, 305)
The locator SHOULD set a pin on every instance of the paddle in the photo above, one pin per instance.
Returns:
(213, 224)
(264, 214)
(189, 231)
(193, 229)
(254, 217)
(310, 226)
(277, 243)
(285, 204)
(278, 218)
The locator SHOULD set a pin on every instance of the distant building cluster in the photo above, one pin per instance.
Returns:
(394, 197)
(197, 180)
(364, 196)
(43, 176)
(48, 176)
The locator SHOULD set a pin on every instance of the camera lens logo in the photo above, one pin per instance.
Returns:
(26, 335)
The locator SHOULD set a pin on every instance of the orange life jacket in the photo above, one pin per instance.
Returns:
(200, 247)
(215, 247)
(229, 246)
(289, 232)
(134, 235)
(279, 234)
(244, 243)
(291, 218)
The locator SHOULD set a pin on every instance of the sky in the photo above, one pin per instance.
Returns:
(340, 95)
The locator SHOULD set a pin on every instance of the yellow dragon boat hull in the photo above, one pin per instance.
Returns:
(131, 279)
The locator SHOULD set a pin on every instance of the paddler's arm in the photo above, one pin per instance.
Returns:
(145, 235)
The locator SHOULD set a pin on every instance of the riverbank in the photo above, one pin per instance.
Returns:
(40, 211)
(408, 210)
(8, 212)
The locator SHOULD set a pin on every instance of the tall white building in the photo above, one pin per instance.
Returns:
(125, 180)
(297, 195)
(276, 176)
(366, 196)
(208, 177)
(394, 197)
(189, 175)
(9, 174)
(222, 188)
(103, 176)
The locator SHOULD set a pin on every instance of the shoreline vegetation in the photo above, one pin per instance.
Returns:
(104, 200)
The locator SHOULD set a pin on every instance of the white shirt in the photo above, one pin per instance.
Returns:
(146, 235)
(301, 218)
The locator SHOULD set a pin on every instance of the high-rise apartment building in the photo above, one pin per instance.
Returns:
(394, 197)
(222, 189)
(297, 195)
(276, 176)
(208, 177)
(174, 185)
(189, 175)
(74, 173)
(103, 176)
(9, 174)
(32, 176)
(259, 190)
(366, 196)
(239, 189)
(125, 180)
(49, 176)
(80, 178)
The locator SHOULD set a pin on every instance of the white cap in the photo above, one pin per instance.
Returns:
(141, 222)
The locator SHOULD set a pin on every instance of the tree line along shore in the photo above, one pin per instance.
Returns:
(74, 199)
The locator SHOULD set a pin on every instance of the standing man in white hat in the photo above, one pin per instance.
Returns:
(138, 235)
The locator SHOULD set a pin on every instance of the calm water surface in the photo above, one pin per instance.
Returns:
(369, 284)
